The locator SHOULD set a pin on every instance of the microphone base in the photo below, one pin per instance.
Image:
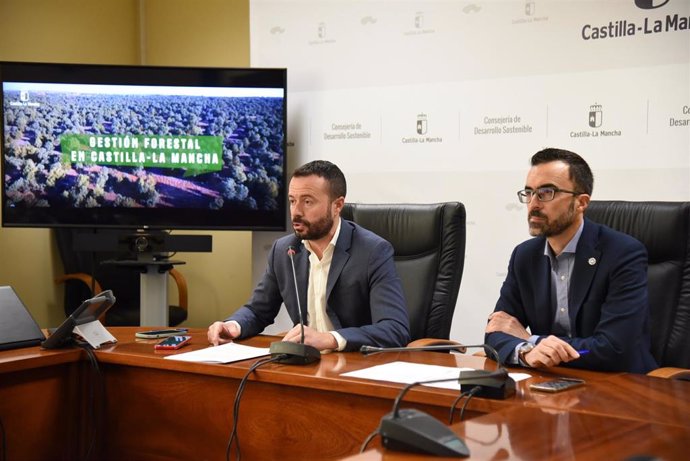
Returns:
(499, 388)
(419, 432)
(294, 353)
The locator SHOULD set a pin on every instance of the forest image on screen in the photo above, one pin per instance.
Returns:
(90, 146)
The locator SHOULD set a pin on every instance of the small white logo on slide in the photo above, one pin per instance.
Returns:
(595, 115)
(650, 4)
(419, 20)
(471, 8)
(322, 35)
(512, 206)
(529, 8)
(421, 124)
(23, 95)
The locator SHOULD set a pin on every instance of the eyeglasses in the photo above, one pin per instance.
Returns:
(543, 194)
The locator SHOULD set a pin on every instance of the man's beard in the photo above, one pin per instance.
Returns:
(551, 228)
(315, 230)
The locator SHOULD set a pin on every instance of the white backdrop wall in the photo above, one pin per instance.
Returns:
(429, 101)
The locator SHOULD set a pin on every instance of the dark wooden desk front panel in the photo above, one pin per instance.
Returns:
(41, 404)
(311, 412)
(160, 409)
(158, 414)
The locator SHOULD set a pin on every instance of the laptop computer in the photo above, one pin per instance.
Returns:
(17, 327)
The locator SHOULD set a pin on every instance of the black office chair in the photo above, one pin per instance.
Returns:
(429, 251)
(664, 229)
(85, 275)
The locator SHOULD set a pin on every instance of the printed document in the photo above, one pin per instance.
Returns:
(225, 353)
(408, 373)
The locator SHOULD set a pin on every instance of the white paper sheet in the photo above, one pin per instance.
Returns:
(226, 353)
(408, 372)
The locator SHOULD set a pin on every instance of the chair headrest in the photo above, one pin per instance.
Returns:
(412, 229)
(663, 227)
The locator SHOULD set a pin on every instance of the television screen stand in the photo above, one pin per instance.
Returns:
(146, 251)
(154, 287)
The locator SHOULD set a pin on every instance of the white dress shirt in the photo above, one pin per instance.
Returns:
(317, 317)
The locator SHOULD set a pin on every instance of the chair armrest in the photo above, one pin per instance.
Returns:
(82, 277)
(181, 283)
(671, 373)
(423, 342)
(87, 280)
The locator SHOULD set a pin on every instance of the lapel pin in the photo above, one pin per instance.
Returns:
(592, 261)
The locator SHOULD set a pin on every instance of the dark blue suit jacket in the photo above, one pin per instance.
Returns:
(609, 311)
(364, 296)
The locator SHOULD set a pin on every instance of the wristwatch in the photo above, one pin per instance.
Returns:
(522, 350)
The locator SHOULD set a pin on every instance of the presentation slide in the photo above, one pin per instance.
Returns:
(88, 146)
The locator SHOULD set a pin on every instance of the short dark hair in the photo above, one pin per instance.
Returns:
(328, 171)
(580, 173)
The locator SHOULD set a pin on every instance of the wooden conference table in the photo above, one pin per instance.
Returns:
(156, 409)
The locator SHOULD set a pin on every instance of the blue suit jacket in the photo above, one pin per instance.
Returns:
(364, 294)
(609, 311)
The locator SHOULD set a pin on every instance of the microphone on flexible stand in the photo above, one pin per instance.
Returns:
(287, 351)
(494, 385)
(413, 430)
(416, 431)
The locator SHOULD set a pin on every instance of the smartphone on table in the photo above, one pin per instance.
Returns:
(154, 334)
(557, 385)
(172, 342)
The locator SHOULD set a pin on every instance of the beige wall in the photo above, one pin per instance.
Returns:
(156, 32)
(196, 32)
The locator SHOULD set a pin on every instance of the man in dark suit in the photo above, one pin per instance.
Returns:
(580, 287)
(349, 290)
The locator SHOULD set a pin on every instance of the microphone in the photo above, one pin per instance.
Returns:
(493, 385)
(414, 430)
(287, 351)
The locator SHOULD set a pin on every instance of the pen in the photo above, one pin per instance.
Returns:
(583, 352)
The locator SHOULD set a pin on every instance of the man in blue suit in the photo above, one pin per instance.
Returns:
(349, 290)
(580, 287)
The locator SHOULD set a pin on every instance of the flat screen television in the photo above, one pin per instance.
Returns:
(143, 147)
